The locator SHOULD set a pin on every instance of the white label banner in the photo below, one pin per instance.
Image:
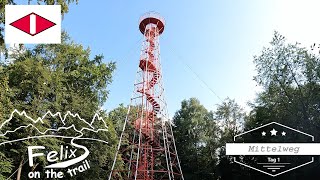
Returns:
(272, 149)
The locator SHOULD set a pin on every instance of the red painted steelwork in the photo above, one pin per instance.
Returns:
(146, 148)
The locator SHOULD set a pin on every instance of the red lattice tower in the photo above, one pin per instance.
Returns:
(146, 149)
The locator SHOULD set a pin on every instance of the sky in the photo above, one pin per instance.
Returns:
(207, 46)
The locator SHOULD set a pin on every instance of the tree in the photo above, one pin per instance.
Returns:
(290, 77)
(195, 133)
(231, 118)
(59, 78)
(5, 166)
(117, 117)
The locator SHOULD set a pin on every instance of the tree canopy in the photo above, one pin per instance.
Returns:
(57, 78)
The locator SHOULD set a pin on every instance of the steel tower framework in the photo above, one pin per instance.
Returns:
(146, 149)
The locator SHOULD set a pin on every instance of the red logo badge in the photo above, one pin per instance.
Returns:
(32, 24)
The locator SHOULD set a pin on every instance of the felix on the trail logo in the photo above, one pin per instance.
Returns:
(31, 24)
(70, 157)
(53, 156)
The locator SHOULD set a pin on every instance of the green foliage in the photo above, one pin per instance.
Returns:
(201, 137)
(231, 117)
(290, 77)
(5, 166)
(64, 3)
(2, 20)
(117, 117)
(195, 133)
(59, 78)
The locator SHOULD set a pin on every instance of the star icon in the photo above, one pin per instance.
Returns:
(263, 133)
(283, 133)
(273, 132)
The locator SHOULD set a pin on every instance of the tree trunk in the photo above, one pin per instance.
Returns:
(20, 169)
